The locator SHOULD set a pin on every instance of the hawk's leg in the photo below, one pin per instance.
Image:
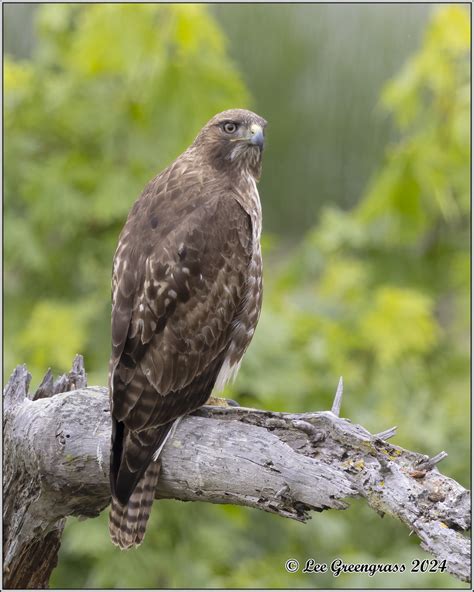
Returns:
(219, 402)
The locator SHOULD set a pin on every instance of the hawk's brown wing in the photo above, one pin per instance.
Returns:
(179, 278)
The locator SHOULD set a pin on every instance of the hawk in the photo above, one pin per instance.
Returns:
(186, 298)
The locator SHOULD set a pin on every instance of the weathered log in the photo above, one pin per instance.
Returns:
(56, 461)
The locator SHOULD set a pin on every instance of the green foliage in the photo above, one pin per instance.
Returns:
(425, 182)
(378, 293)
(41, 344)
(85, 128)
(394, 308)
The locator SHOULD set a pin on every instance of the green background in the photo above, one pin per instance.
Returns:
(365, 194)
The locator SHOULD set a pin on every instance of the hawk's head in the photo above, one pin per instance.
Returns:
(234, 141)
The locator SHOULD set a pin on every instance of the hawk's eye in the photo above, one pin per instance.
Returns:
(229, 127)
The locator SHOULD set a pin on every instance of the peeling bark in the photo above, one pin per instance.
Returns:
(56, 464)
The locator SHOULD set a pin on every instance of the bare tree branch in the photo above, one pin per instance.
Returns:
(57, 457)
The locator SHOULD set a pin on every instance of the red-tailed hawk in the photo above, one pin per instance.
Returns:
(186, 298)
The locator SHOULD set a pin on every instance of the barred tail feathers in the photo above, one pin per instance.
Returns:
(127, 523)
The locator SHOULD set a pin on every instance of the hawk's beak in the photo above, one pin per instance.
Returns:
(256, 135)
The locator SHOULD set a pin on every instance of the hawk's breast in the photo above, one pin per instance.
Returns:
(246, 319)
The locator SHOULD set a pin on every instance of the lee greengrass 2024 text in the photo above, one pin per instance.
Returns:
(338, 566)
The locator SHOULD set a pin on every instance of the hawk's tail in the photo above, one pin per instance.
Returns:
(127, 523)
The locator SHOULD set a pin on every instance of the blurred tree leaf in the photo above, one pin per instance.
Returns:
(391, 309)
(55, 333)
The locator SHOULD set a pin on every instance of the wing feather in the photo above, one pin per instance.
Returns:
(180, 274)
